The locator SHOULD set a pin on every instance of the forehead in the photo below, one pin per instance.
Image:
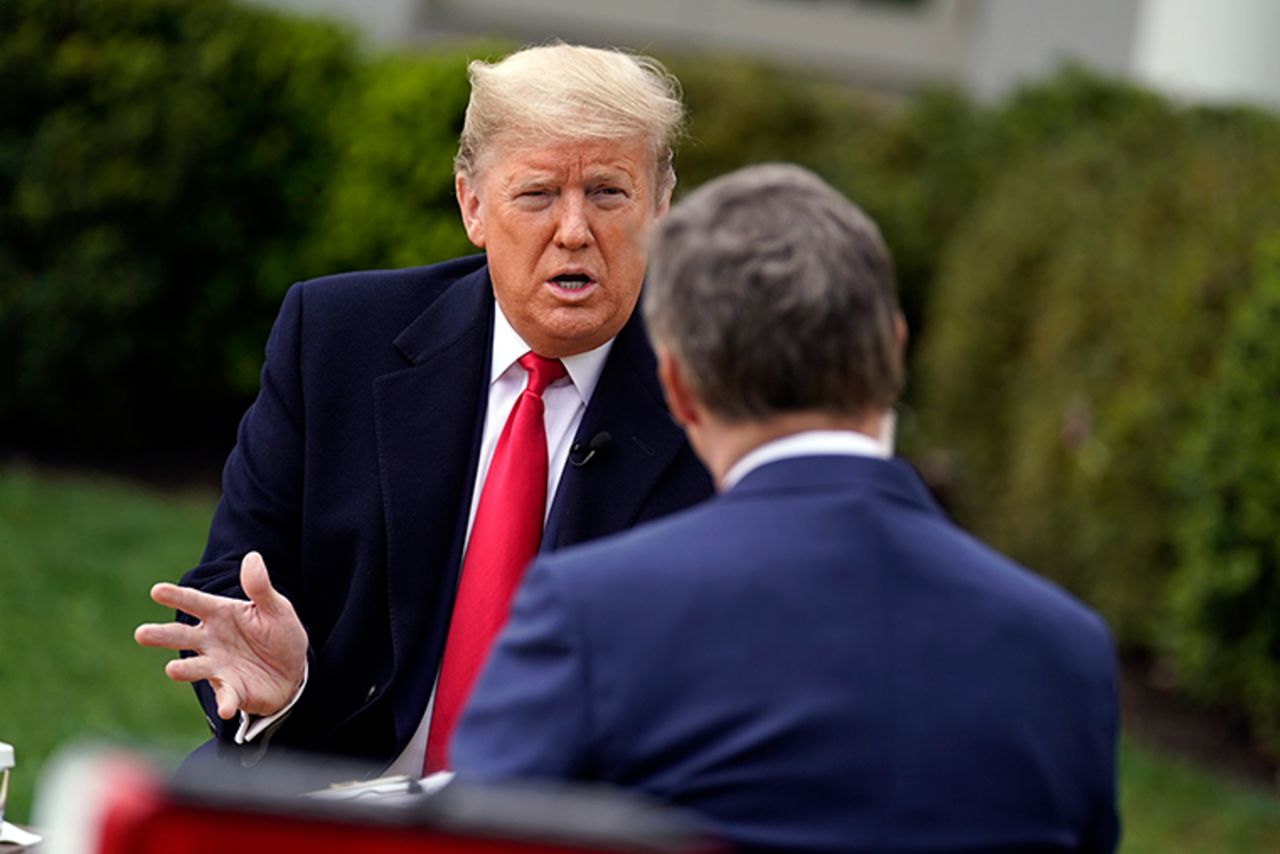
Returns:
(570, 158)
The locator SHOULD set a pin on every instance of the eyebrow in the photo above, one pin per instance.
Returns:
(608, 173)
(615, 174)
(533, 183)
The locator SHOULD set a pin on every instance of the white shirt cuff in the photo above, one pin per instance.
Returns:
(252, 726)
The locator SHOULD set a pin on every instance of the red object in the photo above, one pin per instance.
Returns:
(504, 538)
(121, 805)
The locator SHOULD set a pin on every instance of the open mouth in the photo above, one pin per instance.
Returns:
(572, 281)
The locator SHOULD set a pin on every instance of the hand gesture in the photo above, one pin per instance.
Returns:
(253, 653)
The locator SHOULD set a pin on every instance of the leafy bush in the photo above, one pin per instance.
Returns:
(1225, 629)
(1076, 327)
(390, 198)
(159, 165)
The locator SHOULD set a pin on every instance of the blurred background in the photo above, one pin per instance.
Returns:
(1083, 199)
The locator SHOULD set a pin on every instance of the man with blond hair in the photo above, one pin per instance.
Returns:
(420, 434)
(816, 660)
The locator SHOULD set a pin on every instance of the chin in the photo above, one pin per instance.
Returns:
(577, 334)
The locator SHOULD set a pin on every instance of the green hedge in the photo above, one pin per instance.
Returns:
(390, 197)
(160, 162)
(1225, 624)
(1075, 349)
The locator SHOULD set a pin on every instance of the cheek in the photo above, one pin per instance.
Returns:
(629, 244)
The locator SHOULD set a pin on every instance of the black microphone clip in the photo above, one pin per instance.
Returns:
(580, 456)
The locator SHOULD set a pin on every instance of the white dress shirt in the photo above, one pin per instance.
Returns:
(564, 401)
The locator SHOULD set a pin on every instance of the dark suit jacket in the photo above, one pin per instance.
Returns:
(815, 661)
(353, 471)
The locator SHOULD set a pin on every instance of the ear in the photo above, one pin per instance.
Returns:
(680, 399)
(664, 205)
(469, 206)
(900, 323)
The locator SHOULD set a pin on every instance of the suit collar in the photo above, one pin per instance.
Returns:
(465, 308)
(426, 470)
(894, 478)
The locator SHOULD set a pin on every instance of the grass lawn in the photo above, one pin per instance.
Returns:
(78, 553)
(77, 557)
(1168, 804)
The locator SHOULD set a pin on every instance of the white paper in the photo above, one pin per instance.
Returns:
(386, 790)
(11, 833)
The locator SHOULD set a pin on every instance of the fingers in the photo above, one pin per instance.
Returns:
(191, 669)
(167, 635)
(256, 584)
(199, 667)
(228, 701)
(194, 602)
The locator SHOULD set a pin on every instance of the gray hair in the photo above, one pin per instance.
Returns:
(561, 91)
(776, 294)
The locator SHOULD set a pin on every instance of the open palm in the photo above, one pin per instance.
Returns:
(253, 653)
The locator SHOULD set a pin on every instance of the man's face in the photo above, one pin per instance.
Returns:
(566, 226)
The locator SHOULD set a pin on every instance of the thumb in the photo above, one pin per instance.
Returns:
(256, 584)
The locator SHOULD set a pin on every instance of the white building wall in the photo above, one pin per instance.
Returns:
(1225, 50)
(1017, 41)
(385, 21)
(1210, 50)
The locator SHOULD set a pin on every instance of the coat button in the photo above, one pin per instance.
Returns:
(373, 689)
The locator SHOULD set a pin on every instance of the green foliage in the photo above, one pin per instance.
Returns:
(159, 162)
(1225, 630)
(742, 112)
(390, 198)
(1076, 328)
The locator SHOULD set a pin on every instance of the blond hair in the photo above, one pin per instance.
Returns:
(561, 91)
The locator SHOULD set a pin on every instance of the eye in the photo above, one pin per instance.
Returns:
(534, 198)
(609, 194)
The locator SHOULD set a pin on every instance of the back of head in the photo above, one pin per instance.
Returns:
(561, 91)
(776, 294)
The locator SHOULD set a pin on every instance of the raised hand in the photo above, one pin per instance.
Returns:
(253, 653)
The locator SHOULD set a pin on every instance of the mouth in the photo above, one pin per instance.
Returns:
(572, 282)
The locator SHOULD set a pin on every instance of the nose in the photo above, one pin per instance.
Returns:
(573, 230)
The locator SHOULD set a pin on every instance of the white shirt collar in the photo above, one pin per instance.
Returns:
(584, 369)
(809, 443)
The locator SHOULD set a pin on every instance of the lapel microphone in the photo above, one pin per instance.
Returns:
(579, 456)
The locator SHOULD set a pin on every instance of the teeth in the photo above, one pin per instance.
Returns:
(572, 282)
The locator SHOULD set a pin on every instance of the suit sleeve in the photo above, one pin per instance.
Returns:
(260, 508)
(528, 713)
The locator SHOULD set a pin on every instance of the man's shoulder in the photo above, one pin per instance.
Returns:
(392, 282)
(375, 304)
(1009, 592)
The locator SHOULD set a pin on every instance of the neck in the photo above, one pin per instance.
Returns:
(721, 443)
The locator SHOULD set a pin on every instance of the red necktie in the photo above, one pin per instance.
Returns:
(504, 537)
